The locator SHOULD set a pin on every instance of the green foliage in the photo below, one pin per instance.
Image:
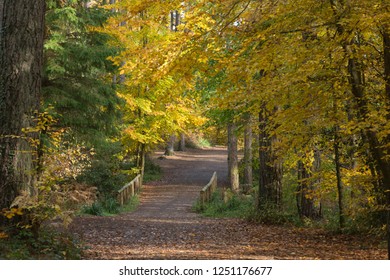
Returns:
(106, 171)
(203, 143)
(48, 245)
(231, 205)
(197, 141)
(76, 73)
(109, 207)
(131, 205)
(95, 209)
(79, 88)
(270, 214)
(228, 205)
(152, 171)
(76, 83)
(106, 176)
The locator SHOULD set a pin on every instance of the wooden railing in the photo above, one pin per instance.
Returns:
(129, 190)
(206, 192)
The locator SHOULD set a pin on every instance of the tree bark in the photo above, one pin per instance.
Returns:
(340, 194)
(307, 205)
(170, 146)
(142, 155)
(233, 172)
(182, 143)
(21, 48)
(386, 54)
(270, 171)
(248, 155)
(305, 201)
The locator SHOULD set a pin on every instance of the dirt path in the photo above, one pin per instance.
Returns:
(164, 227)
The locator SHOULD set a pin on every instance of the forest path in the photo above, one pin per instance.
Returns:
(165, 227)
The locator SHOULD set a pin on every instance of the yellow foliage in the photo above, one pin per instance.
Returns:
(288, 56)
(12, 212)
(155, 65)
(3, 235)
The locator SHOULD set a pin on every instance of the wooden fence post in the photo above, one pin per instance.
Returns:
(207, 191)
(129, 190)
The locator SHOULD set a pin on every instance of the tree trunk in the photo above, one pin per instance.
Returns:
(338, 179)
(386, 57)
(88, 4)
(248, 156)
(21, 48)
(170, 147)
(142, 155)
(386, 53)
(233, 158)
(270, 171)
(305, 201)
(182, 143)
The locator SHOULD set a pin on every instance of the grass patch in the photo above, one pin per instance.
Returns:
(228, 206)
(152, 171)
(231, 205)
(196, 142)
(204, 143)
(110, 207)
(95, 209)
(271, 215)
(131, 206)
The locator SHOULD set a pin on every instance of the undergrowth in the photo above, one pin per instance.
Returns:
(48, 245)
(231, 205)
(221, 206)
(110, 207)
(152, 171)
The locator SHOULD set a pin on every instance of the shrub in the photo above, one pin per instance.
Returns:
(228, 204)
(271, 215)
(111, 206)
(152, 171)
(95, 209)
(53, 245)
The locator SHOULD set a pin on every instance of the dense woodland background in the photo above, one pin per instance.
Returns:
(301, 88)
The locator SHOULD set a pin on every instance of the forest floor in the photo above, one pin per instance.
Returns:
(165, 227)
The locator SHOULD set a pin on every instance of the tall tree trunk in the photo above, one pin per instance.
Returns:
(270, 171)
(386, 53)
(21, 48)
(305, 201)
(233, 158)
(170, 146)
(142, 154)
(340, 194)
(114, 77)
(248, 156)
(182, 142)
